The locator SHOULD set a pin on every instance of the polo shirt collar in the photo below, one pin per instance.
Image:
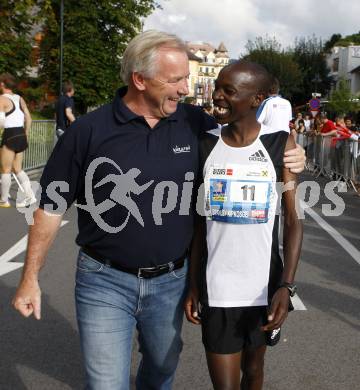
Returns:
(124, 115)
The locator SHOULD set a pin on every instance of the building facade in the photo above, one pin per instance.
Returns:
(344, 63)
(206, 61)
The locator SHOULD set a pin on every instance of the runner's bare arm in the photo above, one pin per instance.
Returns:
(293, 232)
(27, 299)
(27, 114)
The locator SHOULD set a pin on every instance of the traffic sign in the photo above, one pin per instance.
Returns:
(314, 104)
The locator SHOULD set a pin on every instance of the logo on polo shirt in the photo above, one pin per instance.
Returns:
(258, 156)
(182, 149)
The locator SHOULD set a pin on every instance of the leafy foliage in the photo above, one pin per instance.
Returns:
(95, 35)
(300, 69)
(16, 20)
(338, 40)
(267, 52)
(309, 54)
(342, 101)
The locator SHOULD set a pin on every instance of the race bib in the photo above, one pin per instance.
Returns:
(241, 197)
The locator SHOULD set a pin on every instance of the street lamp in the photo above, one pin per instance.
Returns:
(61, 43)
(316, 80)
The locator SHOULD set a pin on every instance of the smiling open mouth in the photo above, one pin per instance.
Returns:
(220, 112)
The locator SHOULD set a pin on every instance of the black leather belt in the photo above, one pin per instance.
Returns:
(145, 273)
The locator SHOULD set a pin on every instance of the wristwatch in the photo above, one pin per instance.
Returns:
(290, 286)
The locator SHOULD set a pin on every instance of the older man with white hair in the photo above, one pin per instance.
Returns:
(132, 265)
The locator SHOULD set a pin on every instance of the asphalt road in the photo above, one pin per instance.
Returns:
(319, 348)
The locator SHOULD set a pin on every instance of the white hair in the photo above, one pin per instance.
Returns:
(140, 54)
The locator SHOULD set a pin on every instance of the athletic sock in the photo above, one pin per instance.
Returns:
(25, 182)
(5, 186)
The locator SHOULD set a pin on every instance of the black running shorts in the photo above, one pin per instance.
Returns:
(15, 139)
(229, 330)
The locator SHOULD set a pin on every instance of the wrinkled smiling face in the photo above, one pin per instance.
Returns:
(169, 84)
(234, 95)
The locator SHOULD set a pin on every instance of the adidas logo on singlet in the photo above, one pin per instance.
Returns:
(258, 156)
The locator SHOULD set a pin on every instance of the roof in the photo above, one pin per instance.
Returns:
(222, 48)
(193, 57)
(205, 48)
(220, 54)
(355, 70)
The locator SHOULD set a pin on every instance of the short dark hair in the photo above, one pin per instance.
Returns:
(67, 86)
(8, 80)
(263, 77)
(275, 86)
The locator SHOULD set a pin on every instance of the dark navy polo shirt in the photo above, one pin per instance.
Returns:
(156, 160)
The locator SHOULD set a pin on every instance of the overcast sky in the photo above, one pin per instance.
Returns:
(236, 21)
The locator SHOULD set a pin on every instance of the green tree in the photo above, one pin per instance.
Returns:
(268, 52)
(16, 20)
(342, 101)
(96, 33)
(310, 56)
(338, 40)
(328, 45)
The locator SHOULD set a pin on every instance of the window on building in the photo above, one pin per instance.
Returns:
(335, 66)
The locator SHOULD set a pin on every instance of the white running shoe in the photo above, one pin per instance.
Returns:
(4, 204)
(26, 202)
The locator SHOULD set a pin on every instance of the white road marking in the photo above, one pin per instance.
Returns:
(349, 248)
(297, 303)
(6, 265)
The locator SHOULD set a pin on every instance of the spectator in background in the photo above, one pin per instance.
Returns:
(343, 132)
(65, 108)
(307, 123)
(317, 124)
(351, 126)
(275, 111)
(301, 126)
(328, 127)
(299, 117)
(15, 118)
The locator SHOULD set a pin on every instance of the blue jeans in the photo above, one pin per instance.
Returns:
(109, 304)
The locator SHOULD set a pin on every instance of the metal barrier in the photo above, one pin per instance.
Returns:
(41, 143)
(337, 160)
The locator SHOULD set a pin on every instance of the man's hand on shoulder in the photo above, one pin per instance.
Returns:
(294, 159)
(27, 299)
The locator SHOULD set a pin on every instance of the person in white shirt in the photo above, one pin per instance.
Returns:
(307, 122)
(275, 112)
